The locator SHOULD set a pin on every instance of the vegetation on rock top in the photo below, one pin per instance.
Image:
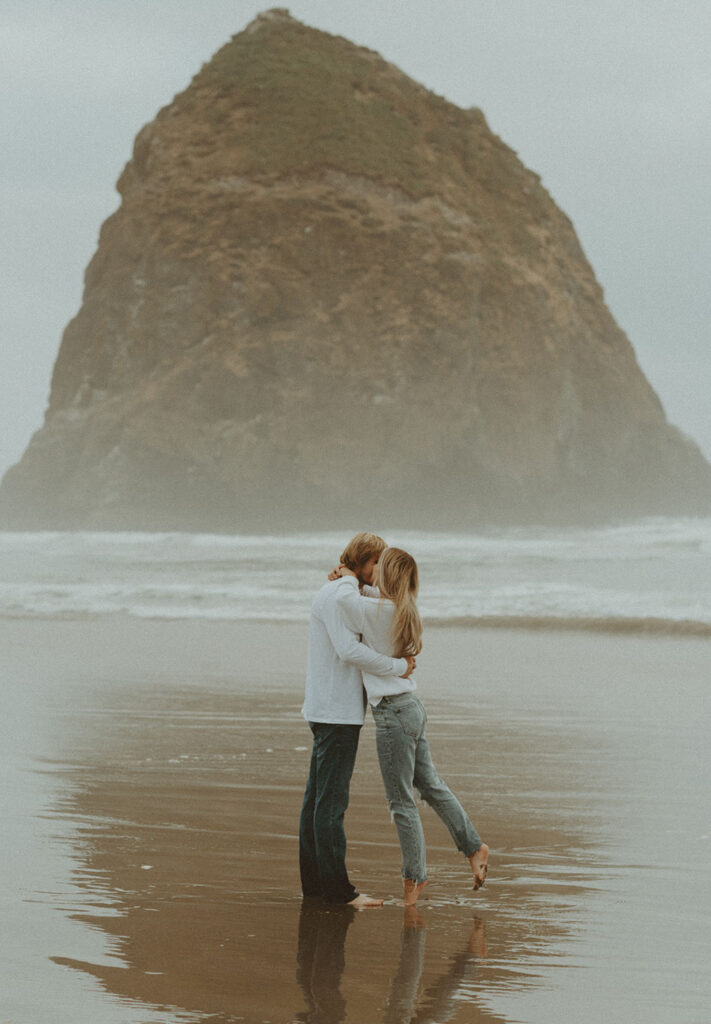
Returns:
(310, 101)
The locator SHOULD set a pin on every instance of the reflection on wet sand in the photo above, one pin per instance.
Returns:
(438, 1003)
(321, 961)
(186, 851)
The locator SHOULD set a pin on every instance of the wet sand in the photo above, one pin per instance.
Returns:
(152, 780)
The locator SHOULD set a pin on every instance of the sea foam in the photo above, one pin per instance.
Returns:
(621, 576)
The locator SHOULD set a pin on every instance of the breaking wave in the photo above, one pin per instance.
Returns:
(651, 576)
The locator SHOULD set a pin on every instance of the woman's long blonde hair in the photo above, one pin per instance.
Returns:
(398, 581)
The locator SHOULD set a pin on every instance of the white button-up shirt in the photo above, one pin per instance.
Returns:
(336, 658)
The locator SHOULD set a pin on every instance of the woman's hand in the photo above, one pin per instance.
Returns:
(339, 571)
(411, 666)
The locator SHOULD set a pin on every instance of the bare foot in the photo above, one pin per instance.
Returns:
(479, 865)
(362, 902)
(412, 891)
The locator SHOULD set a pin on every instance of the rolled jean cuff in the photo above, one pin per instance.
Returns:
(475, 850)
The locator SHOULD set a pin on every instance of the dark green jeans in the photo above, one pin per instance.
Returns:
(322, 838)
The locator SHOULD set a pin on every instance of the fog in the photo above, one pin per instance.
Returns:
(609, 105)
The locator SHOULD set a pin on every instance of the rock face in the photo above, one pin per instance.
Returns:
(330, 297)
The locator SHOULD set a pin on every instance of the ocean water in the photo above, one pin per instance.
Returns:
(652, 574)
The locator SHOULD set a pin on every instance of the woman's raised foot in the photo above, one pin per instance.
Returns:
(479, 865)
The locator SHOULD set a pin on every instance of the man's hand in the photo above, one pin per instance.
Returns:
(410, 666)
(339, 571)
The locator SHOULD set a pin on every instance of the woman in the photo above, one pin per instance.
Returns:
(388, 620)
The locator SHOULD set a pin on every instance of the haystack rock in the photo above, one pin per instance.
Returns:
(332, 297)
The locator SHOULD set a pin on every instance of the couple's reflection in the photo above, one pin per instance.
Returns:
(321, 962)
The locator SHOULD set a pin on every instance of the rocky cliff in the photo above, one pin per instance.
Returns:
(331, 297)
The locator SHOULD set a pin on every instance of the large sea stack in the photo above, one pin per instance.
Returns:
(332, 297)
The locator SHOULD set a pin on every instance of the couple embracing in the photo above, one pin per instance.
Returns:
(364, 635)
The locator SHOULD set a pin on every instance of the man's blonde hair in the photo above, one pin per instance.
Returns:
(362, 548)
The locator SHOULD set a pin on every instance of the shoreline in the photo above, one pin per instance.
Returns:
(578, 623)
(611, 625)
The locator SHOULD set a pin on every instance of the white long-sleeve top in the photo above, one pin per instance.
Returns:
(337, 657)
(371, 615)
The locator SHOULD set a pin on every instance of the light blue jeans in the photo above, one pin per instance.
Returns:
(405, 762)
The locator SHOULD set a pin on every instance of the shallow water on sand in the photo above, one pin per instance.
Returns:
(152, 782)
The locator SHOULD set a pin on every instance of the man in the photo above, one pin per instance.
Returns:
(334, 707)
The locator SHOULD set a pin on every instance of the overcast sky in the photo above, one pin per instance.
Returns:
(609, 102)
